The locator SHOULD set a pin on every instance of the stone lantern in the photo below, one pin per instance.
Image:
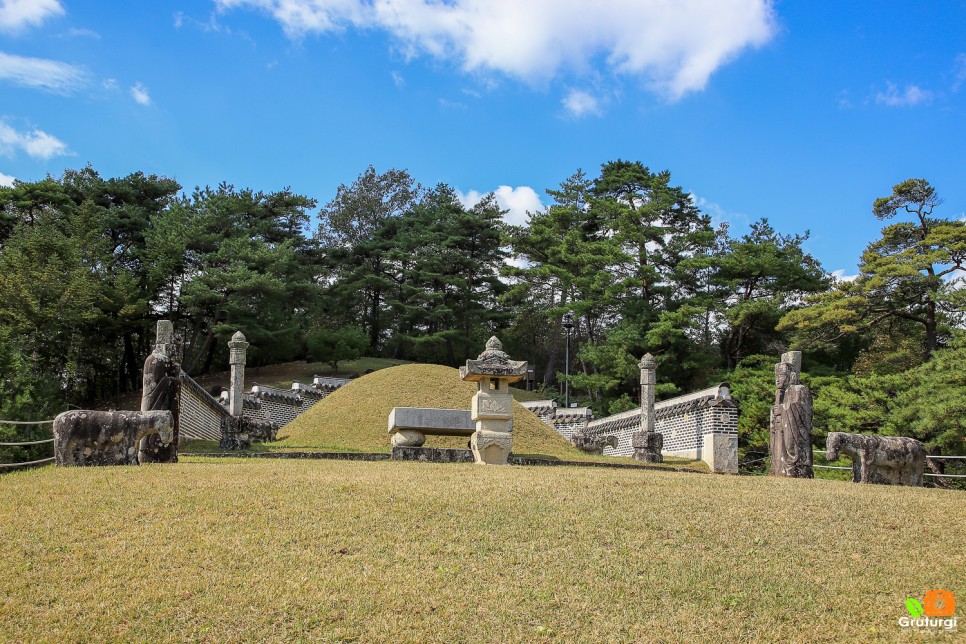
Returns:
(492, 405)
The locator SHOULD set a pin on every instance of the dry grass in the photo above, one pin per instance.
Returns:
(354, 418)
(250, 550)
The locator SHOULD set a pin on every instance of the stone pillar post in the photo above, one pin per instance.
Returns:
(647, 443)
(492, 406)
(648, 368)
(238, 348)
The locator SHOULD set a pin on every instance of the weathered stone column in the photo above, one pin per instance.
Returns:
(492, 405)
(648, 367)
(236, 358)
(647, 443)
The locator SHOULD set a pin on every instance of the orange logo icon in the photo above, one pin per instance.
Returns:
(939, 603)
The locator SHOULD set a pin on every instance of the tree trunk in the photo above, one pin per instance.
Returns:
(130, 362)
(550, 372)
(211, 352)
(374, 322)
(206, 349)
(932, 338)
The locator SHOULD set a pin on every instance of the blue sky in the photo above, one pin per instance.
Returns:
(799, 112)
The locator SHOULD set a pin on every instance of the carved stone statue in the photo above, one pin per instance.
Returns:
(592, 444)
(161, 391)
(888, 460)
(791, 421)
(87, 437)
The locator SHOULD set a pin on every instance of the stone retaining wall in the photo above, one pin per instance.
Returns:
(564, 421)
(201, 414)
(702, 425)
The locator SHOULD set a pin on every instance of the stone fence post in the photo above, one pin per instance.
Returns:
(647, 443)
(238, 349)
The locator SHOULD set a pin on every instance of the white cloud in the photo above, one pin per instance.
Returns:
(398, 79)
(911, 96)
(579, 103)
(843, 100)
(299, 17)
(42, 73)
(719, 215)
(74, 32)
(959, 72)
(516, 201)
(37, 143)
(6, 180)
(41, 145)
(675, 46)
(140, 94)
(841, 276)
(447, 104)
(15, 15)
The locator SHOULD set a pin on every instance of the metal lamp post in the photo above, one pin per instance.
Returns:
(568, 323)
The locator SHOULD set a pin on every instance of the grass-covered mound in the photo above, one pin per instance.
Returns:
(354, 418)
(269, 551)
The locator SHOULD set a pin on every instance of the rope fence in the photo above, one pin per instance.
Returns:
(48, 440)
(752, 461)
(929, 456)
(822, 451)
(10, 466)
(25, 464)
(849, 468)
(26, 422)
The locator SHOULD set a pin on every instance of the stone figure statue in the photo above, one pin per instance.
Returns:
(161, 382)
(791, 421)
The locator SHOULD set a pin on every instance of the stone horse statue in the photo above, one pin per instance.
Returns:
(83, 437)
(888, 460)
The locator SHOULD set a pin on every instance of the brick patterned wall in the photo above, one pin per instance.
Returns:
(200, 413)
(684, 431)
(683, 421)
(564, 421)
(621, 425)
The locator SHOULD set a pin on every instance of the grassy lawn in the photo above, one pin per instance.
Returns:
(255, 550)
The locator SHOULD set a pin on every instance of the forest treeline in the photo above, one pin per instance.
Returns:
(388, 267)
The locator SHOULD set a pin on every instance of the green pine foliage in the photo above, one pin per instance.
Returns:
(390, 269)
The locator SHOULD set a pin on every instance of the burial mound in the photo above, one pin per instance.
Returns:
(353, 418)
